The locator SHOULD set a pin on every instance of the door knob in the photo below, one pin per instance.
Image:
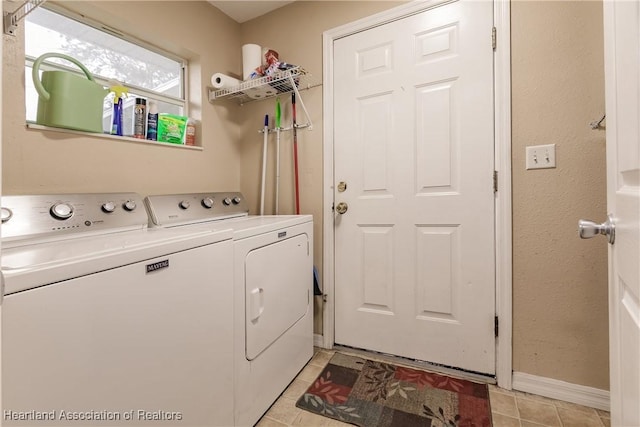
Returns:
(589, 229)
(342, 208)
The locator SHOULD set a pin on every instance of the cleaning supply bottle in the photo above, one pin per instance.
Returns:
(152, 122)
(120, 92)
(190, 134)
(139, 118)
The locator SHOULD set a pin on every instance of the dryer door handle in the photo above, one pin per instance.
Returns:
(257, 304)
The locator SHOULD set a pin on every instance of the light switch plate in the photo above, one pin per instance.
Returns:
(541, 156)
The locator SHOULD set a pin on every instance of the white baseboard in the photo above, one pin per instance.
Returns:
(318, 341)
(560, 390)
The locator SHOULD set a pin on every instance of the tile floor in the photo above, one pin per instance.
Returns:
(509, 408)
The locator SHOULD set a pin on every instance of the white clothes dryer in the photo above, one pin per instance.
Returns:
(273, 275)
(107, 322)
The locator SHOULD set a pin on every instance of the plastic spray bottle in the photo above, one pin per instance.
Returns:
(152, 122)
(120, 92)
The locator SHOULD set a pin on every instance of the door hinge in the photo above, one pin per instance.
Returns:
(495, 181)
(495, 325)
(493, 38)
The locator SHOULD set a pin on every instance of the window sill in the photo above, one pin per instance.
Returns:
(128, 139)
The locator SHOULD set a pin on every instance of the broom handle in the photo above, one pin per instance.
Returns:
(295, 152)
(264, 162)
(278, 113)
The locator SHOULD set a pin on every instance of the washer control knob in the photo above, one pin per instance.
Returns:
(61, 211)
(129, 205)
(184, 204)
(226, 201)
(236, 200)
(108, 207)
(207, 202)
(6, 214)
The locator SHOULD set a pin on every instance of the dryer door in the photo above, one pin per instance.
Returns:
(278, 279)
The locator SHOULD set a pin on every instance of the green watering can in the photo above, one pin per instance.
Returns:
(67, 100)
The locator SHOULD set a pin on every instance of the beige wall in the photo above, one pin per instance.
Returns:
(560, 297)
(559, 281)
(41, 161)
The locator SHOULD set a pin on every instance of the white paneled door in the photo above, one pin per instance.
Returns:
(414, 147)
(622, 76)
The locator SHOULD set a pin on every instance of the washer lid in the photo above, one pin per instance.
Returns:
(26, 267)
(249, 226)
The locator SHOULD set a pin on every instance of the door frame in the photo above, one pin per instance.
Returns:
(502, 152)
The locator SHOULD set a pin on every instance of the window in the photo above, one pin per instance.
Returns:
(147, 71)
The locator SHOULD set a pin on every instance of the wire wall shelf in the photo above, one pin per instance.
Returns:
(264, 87)
(10, 20)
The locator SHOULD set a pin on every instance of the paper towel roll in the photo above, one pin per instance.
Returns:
(251, 59)
(222, 81)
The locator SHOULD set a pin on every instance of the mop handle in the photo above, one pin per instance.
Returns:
(264, 162)
(295, 152)
(278, 114)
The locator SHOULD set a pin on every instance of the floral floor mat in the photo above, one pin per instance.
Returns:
(376, 394)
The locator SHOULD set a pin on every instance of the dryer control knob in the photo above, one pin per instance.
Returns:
(207, 202)
(226, 201)
(6, 214)
(236, 200)
(129, 205)
(108, 207)
(184, 204)
(61, 211)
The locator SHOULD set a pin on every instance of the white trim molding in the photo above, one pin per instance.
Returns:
(503, 243)
(561, 390)
(327, 203)
(502, 149)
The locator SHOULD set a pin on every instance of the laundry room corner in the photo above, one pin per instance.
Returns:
(430, 112)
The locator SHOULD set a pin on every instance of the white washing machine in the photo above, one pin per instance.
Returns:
(273, 275)
(107, 322)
